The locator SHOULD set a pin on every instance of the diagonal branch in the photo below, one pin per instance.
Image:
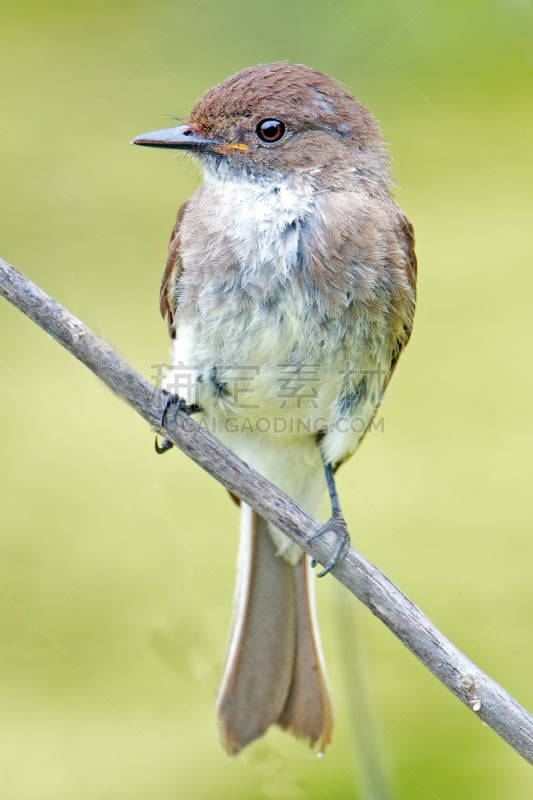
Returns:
(489, 701)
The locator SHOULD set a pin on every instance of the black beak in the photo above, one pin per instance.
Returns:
(183, 137)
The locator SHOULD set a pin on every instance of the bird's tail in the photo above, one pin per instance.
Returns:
(274, 671)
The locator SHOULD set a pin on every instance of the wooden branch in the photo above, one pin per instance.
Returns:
(489, 701)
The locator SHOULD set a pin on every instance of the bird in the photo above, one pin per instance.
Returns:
(289, 291)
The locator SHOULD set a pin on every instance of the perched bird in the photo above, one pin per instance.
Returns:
(289, 292)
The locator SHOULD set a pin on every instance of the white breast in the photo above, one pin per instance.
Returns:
(263, 358)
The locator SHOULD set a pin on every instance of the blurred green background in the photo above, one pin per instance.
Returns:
(116, 567)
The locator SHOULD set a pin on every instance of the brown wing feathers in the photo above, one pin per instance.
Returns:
(167, 294)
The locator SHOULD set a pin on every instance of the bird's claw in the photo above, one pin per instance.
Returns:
(164, 447)
(180, 405)
(336, 525)
(171, 399)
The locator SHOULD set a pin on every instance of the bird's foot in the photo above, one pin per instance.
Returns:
(179, 404)
(336, 525)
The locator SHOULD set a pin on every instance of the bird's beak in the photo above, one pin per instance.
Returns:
(183, 137)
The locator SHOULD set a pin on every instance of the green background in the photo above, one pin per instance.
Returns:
(116, 567)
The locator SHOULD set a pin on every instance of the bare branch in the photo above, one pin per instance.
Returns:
(489, 701)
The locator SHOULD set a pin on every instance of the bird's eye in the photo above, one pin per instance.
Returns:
(270, 130)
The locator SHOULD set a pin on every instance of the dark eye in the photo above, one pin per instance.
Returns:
(270, 130)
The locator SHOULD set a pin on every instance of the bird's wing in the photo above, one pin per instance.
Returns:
(406, 236)
(173, 266)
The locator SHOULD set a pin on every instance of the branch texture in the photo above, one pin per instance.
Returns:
(483, 696)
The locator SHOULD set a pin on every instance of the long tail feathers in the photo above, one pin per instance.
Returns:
(274, 671)
(307, 712)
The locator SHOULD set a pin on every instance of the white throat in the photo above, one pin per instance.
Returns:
(265, 214)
